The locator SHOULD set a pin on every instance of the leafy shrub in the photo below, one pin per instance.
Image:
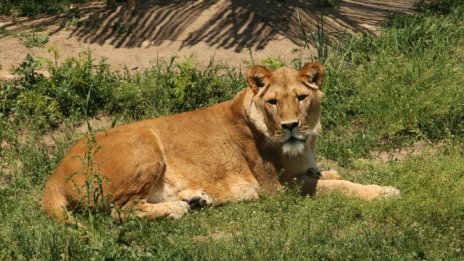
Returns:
(173, 87)
(5, 7)
(76, 88)
(81, 87)
(26, 98)
(185, 87)
(73, 19)
(33, 7)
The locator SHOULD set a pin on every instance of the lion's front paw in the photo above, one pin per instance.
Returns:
(195, 198)
(376, 191)
(199, 202)
(389, 192)
(178, 209)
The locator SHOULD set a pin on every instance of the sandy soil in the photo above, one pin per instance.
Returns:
(224, 30)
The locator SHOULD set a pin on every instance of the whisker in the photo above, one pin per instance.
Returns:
(272, 141)
(308, 132)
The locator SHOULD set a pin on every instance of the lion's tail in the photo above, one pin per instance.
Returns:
(55, 202)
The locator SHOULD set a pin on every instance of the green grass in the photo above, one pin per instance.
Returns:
(381, 93)
(33, 39)
(402, 86)
(425, 223)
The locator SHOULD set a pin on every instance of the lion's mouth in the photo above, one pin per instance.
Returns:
(294, 139)
(293, 146)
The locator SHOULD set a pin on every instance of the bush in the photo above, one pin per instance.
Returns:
(168, 88)
(77, 88)
(27, 97)
(34, 7)
(81, 87)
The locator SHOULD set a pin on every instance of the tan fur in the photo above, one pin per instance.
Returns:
(259, 141)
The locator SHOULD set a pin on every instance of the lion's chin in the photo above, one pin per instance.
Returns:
(293, 148)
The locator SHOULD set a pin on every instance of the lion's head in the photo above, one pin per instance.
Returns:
(286, 104)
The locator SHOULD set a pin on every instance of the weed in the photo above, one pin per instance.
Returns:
(273, 62)
(73, 19)
(317, 38)
(33, 39)
(93, 194)
(3, 32)
(443, 7)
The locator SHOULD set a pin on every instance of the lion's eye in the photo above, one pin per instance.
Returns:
(302, 97)
(272, 101)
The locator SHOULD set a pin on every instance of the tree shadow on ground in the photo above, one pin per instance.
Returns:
(232, 24)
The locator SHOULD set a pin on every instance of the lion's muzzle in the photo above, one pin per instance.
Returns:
(293, 140)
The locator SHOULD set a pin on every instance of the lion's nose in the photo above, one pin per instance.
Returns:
(289, 125)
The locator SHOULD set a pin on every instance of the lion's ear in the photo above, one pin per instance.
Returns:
(312, 74)
(256, 76)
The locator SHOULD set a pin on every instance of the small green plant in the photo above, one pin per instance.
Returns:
(33, 39)
(73, 19)
(3, 32)
(93, 198)
(317, 38)
(122, 28)
(94, 192)
(273, 62)
(328, 3)
(27, 72)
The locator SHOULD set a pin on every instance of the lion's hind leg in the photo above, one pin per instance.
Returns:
(171, 209)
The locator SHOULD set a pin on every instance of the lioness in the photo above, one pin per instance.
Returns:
(259, 141)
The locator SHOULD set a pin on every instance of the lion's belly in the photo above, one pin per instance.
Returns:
(223, 182)
(203, 156)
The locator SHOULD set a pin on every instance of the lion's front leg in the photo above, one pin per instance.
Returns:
(330, 175)
(351, 189)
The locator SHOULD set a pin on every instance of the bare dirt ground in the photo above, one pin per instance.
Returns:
(226, 30)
